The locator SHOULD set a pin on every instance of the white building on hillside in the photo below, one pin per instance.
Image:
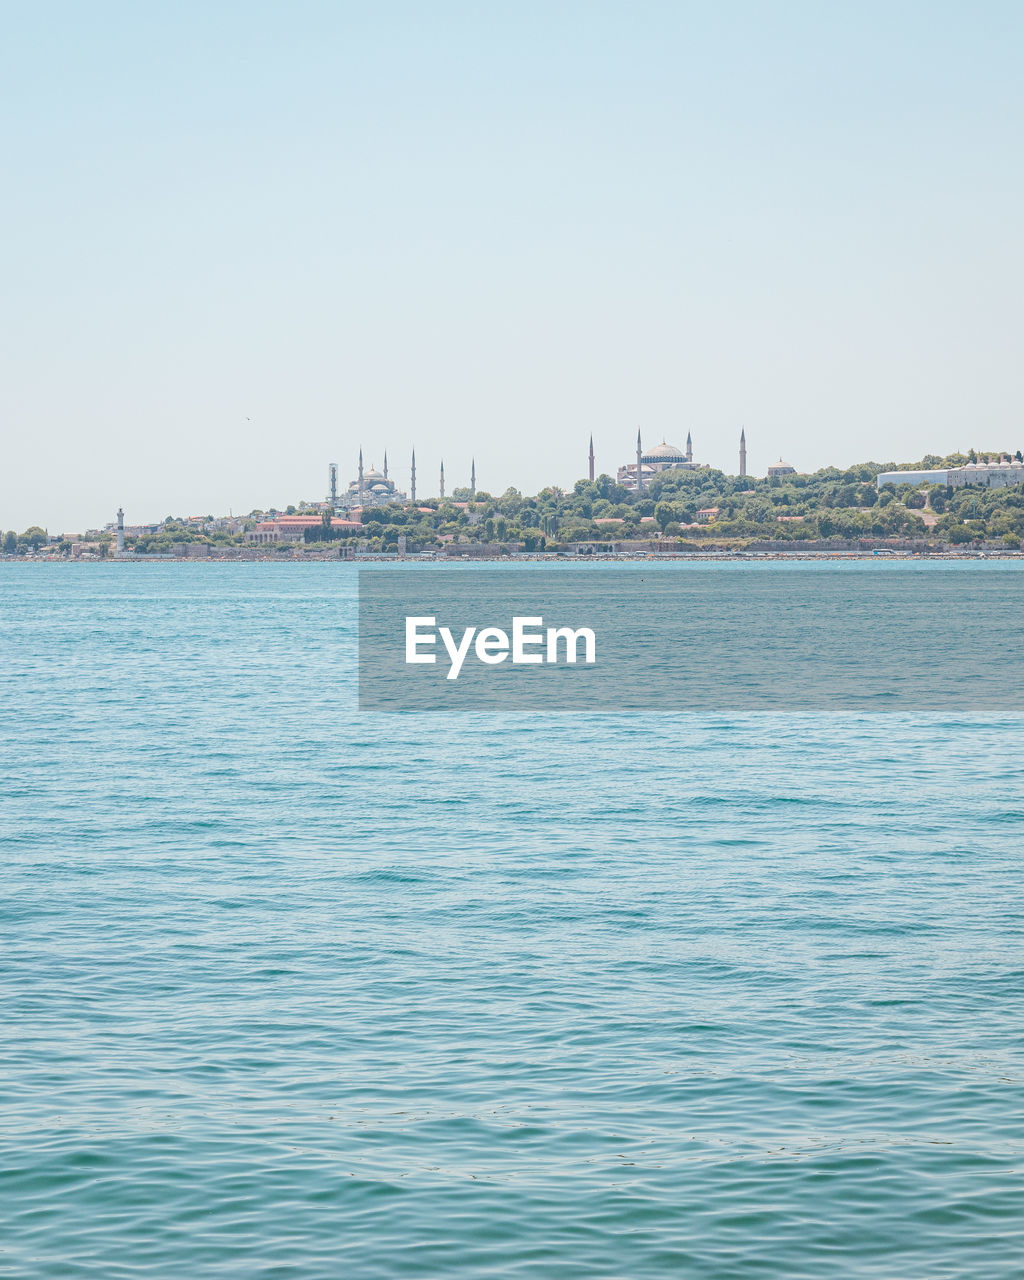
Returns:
(993, 475)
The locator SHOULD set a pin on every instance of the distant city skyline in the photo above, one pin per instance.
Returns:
(243, 240)
(367, 478)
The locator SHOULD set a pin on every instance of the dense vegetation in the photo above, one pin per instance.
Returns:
(683, 507)
(708, 506)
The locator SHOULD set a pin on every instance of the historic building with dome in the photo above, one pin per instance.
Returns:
(371, 488)
(663, 457)
(637, 475)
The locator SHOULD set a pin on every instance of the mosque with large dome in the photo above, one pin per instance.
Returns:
(635, 476)
(371, 488)
(662, 457)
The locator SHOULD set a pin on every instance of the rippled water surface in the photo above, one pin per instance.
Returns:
(294, 991)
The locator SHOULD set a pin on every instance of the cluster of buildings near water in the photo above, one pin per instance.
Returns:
(343, 508)
(371, 488)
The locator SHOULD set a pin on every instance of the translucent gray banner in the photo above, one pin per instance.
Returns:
(718, 637)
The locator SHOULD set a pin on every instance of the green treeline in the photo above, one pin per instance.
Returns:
(708, 506)
(689, 507)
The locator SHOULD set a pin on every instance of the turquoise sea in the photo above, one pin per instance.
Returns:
(293, 990)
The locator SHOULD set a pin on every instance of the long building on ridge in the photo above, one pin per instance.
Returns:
(993, 475)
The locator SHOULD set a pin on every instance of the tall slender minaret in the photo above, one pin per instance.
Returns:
(360, 479)
(412, 485)
(442, 479)
(332, 472)
(472, 479)
(743, 452)
(120, 531)
(591, 457)
(639, 464)
(689, 447)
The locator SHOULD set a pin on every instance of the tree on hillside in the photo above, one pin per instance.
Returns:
(34, 537)
(664, 515)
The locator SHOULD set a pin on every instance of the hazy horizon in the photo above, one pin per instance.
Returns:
(243, 241)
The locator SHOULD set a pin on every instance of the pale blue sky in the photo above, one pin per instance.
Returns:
(242, 239)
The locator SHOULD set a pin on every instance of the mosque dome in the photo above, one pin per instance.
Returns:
(664, 453)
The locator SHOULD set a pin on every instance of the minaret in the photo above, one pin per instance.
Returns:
(639, 464)
(120, 532)
(360, 479)
(591, 457)
(743, 452)
(385, 464)
(333, 474)
(442, 479)
(689, 447)
(412, 485)
(472, 479)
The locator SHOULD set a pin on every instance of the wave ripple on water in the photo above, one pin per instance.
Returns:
(294, 992)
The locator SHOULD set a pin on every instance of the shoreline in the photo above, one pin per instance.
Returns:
(632, 557)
